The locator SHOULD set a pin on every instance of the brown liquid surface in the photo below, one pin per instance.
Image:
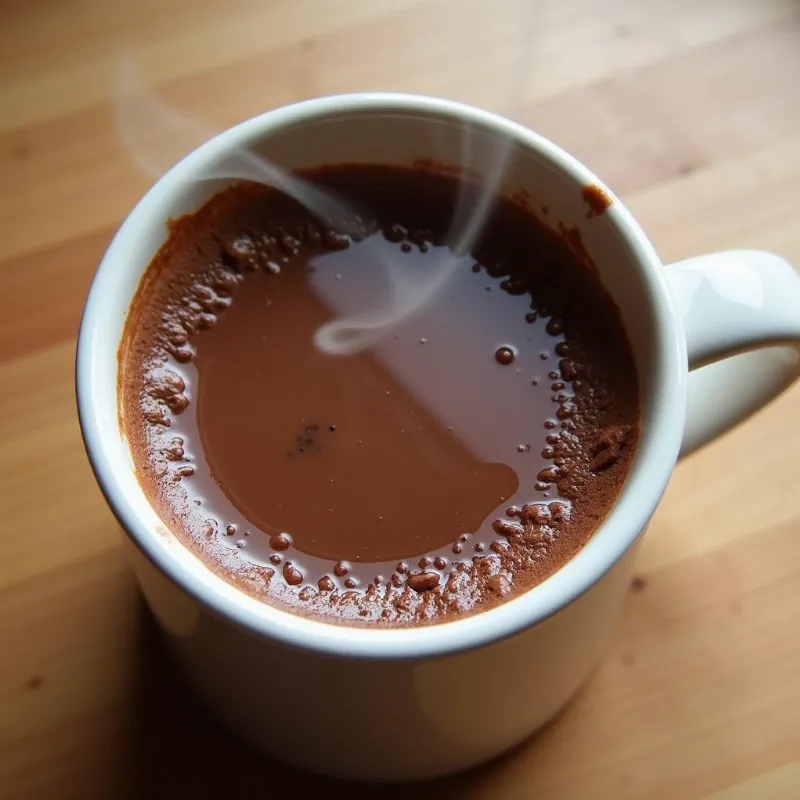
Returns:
(462, 457)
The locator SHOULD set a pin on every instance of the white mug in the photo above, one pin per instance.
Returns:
(714, 338)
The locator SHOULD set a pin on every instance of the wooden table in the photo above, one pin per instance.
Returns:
(690, 110)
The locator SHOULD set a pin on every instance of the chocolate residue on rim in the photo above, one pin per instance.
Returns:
(596, 198)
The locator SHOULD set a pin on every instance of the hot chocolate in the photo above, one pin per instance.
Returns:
(353, 421)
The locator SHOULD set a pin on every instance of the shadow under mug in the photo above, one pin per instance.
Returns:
(714, 338)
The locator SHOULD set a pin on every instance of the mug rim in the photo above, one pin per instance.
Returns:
(657, 450)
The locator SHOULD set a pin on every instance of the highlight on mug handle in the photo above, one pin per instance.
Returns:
(741, 315)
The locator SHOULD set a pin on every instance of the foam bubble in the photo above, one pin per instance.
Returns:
(504, 355)
(280, 541)
(291, 574)
(424, 581)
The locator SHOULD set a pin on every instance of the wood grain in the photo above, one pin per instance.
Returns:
(690, 110)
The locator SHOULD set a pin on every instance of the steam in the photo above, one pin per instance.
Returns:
(411, 292)
(156, 136)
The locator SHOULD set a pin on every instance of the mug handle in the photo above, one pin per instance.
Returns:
(741, 316)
